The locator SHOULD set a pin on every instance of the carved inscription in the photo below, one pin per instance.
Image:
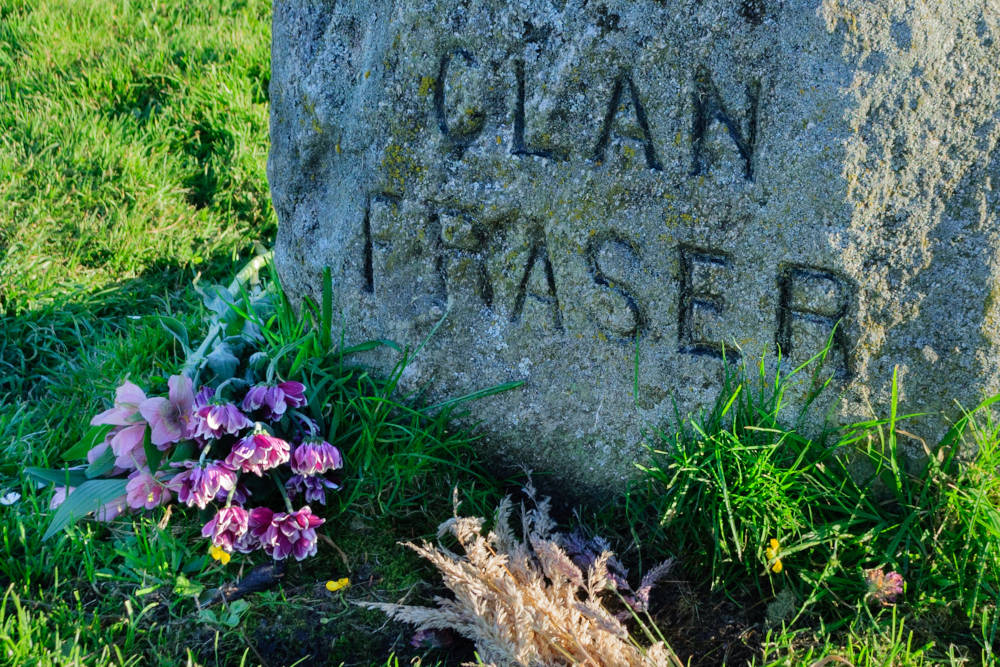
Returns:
(452, 254)
(620, 317)
(520, 147)
(461, 253)
(462, 124)
(700, 302)
(471, 119)
(538, 282)
(624, 84)
(708, 107)
(813, 304)
(376, 201)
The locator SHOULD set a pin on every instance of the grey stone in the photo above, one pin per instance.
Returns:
(602, 198)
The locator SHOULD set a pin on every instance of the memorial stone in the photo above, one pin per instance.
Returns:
(604, 199)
